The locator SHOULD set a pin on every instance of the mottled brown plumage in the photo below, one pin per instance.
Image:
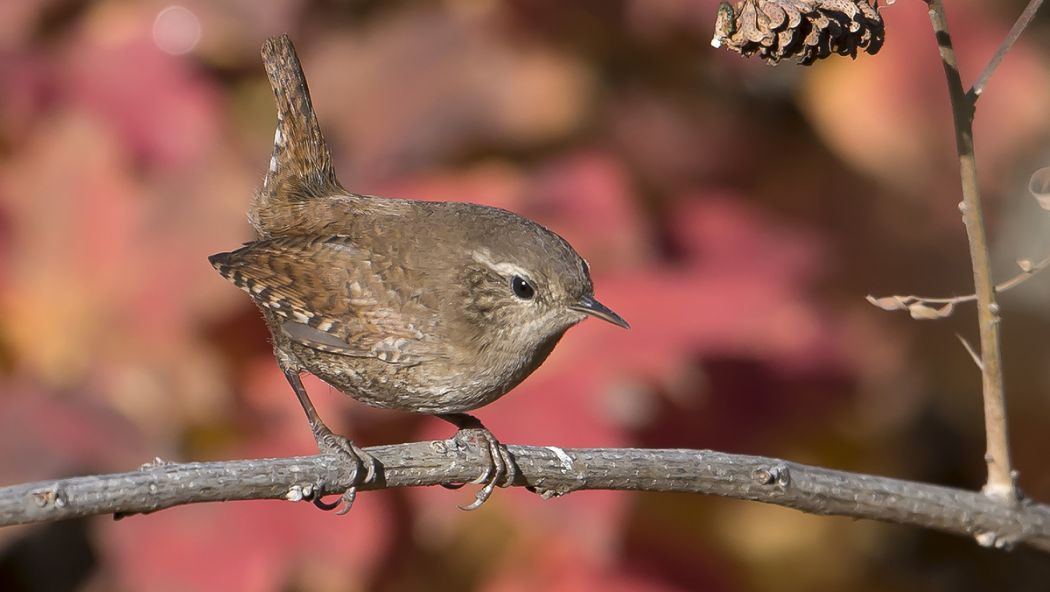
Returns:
(429, 307)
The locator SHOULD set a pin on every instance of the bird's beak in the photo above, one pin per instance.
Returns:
(588, 305)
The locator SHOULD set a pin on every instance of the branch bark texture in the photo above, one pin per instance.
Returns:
(548, 470)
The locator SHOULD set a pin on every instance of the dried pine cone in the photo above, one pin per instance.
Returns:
(808, 30)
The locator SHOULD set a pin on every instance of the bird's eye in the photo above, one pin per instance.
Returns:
(522, 288)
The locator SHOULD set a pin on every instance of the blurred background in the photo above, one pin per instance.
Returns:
(735, 214)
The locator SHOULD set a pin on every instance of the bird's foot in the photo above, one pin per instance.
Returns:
(353, 456)
(501, 470)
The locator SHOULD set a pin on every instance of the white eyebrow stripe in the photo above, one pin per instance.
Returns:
(503, 268)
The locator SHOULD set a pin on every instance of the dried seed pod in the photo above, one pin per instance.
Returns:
(807, 30)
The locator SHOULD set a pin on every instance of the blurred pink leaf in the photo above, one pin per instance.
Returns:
(251, 546)
(162, 111)
(431, 73)
(43, 436)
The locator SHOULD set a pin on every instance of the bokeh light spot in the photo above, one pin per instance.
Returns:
(176, 30)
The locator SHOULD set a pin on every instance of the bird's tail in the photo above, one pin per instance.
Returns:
(301, 166)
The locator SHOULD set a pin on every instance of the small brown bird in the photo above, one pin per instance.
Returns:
(429, 307)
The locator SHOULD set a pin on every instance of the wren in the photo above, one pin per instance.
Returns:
(429, 307)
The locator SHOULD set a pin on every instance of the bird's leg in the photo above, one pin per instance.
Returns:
(501, 470)
(331, 443)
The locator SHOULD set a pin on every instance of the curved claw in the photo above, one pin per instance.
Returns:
(347, 499)
(327, 507)
(359, 462)
(500, 470)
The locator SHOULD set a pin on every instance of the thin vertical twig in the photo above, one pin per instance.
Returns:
(1015, 32)
(1001, 477)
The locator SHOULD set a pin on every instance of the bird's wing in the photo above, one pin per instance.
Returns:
(334, 296)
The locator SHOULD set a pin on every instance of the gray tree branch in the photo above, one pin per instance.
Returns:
(549, 470)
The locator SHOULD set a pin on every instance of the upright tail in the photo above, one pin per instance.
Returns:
(301, 166)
